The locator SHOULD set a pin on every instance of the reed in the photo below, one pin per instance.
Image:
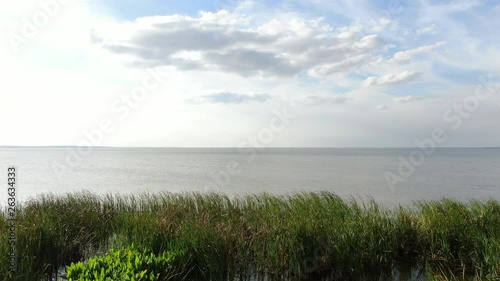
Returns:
(281, 237)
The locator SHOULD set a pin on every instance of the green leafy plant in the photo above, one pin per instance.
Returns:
(131, 264)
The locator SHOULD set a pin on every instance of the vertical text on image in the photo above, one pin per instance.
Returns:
(11, 216)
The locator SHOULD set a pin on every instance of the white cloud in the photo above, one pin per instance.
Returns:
(345, 65)
(229, 98)
(380, 25)
(406, 99)
(228, 42)
(462, 5)
(405, 56)
(391, 78)
(431, 29)
(323, 99)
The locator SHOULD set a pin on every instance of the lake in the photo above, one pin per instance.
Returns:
(459, 173)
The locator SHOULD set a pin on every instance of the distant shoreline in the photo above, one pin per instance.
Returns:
(230, 147)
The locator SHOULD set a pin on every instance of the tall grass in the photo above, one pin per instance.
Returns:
(283, 238)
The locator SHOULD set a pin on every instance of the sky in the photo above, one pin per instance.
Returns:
(230, 73)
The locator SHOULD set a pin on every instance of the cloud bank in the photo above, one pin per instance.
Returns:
(229, 42)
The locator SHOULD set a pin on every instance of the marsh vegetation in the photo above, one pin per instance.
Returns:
(214, 237)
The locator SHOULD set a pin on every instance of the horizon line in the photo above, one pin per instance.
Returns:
(231, 147)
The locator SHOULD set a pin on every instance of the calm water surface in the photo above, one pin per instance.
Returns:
(462, 174)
